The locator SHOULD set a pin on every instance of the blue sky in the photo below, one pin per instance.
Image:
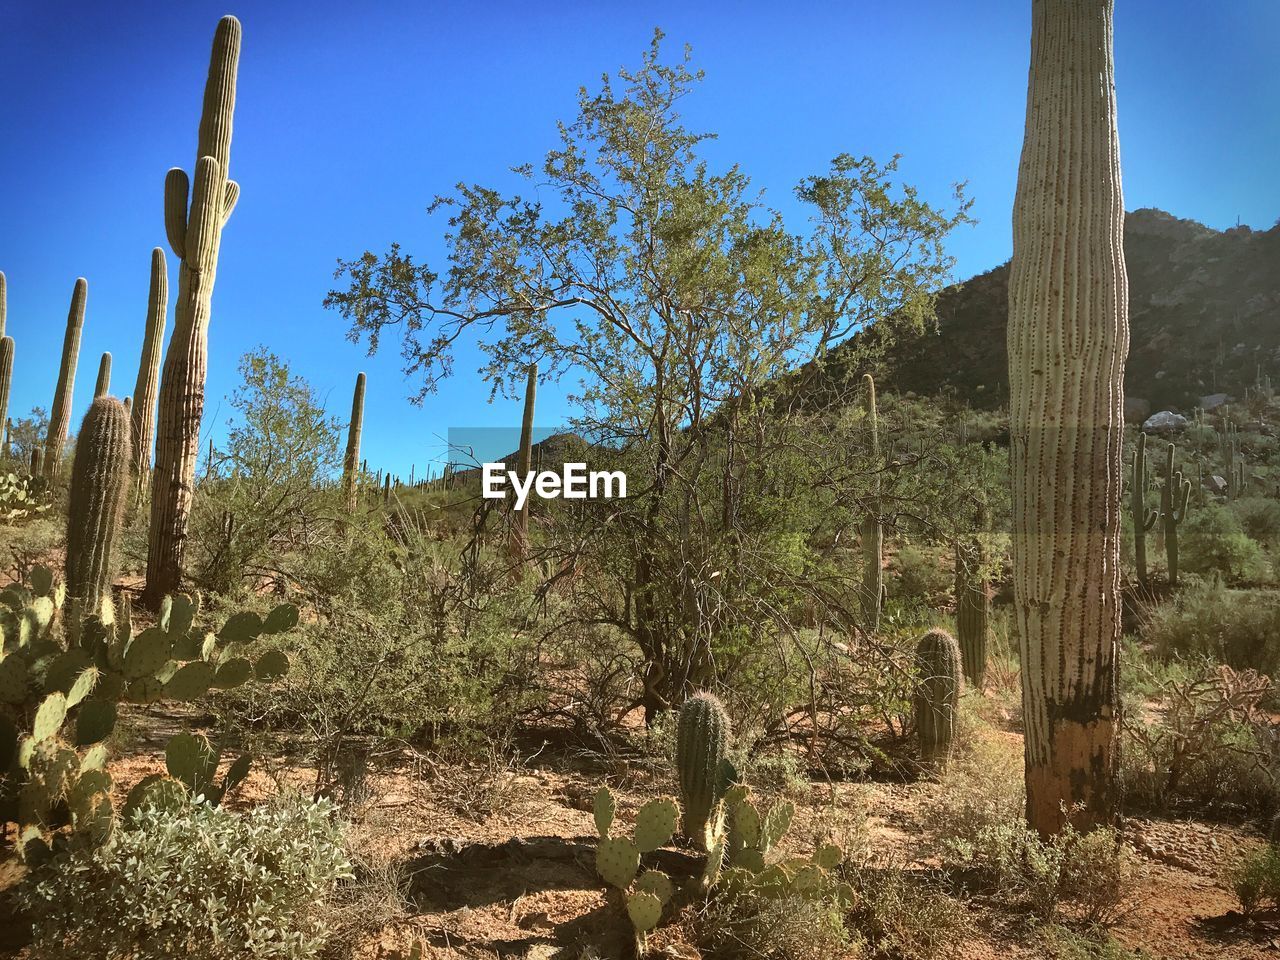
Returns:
(351, 117)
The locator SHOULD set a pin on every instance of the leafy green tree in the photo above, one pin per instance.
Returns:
(675, 297)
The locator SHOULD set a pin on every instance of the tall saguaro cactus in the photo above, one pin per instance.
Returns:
(973, 601)
(103, 386)
(1143, 519)
(4, 302)
(99, 482)
(143, 411)
(1068, 337)
(1175, 494)
(520, 527)
(872, 529)
(60, 415)
(351, 463)
(195, 234)
(6, 376)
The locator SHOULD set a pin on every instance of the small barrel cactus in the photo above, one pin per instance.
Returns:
(702, 745)
(99, 481)
(937, 699)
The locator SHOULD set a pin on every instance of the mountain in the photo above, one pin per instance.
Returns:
(1204, 317)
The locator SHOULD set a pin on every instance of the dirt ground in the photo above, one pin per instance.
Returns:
(497, 860)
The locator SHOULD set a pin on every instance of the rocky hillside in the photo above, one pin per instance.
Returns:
(1204, 309)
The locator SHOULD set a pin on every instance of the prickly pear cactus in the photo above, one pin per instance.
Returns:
(937, 698)
(618, 859)
(702, 746)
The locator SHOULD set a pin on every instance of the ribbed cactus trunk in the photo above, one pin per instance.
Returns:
(1068, 337)
(973, 603)
(1175, 495)
(872, 529)
(99, 482)
(1143, 519)
(103, 385)
(195, 234)
(4, 302)
(702, 747)
(6, 381)
(60, 414)
(351, 463)
(520, 524)
(146, 387)
(936, 704)
(36, 459)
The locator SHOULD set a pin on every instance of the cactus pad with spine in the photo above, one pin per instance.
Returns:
(655, 824)
(603, 808)
(617, 861)
(645, 910)
(49, 716)
(657, 883)
(192, 681)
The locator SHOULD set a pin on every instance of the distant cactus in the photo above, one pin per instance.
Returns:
(103, 386)
(35, 461)
(872, 529)
(702, 748)
(146, 387)
(351, 462)
(60, 417)
(6, 379)
(1175, 495)
(195, 234)
(99, 482)
(973, 603)
(520, 526)
(1143, 519)
(937, 698)
(4, 302)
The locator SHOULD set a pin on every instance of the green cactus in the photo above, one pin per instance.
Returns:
(752, 836)
(60, 416)
(872, 528)
(937, 698)
(4, 302)
(103, 385)
(352, 459)
(1175, 495)
(99, 482)
(702, 746)
(146, 387)
(1143, 519)
(973, 601)
(195, 234)
(618, 859)
(520, 522)
(6, 385)
(36, 455)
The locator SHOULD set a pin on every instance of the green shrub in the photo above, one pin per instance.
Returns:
(1063, 943)
(917, 573)
(899, 917)
(197, 882)
(1235, 627)
(1255, 880)
(1260, 519)
(1212, 540)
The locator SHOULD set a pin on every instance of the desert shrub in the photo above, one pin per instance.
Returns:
(1212, 540)
(198, 882)
(1235, 627)
(1260, 519)
(751, 923)
(1255, 880)
(1063, 943)
(1200, 737)
(977, 818)
(917, 573)
(901, 918)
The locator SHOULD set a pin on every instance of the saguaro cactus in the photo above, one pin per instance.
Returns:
(195, 234)
(520, 525)
(60, 416)
(146, 387)
(103, 386)
(6, 376)
(35, 461)
(1068, 337)
(872, 529)
(702, 746)
(1143, 519)
(1175, 494)
(937, 698)
(351, 463)
(973, 602)
(99, 481)
(4, 302)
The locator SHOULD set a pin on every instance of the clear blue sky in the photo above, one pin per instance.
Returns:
(349, 122)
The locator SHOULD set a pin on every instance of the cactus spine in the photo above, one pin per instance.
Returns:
(6, 382)
(520, 527)
(99, 480)
(60, 417)
(145, 388)
(872, 529)
(351, 462)
(973, 603)
(937, 698)
(1143, 519)
(103, 386)
(702, 747)
(195, 234)
(1174, 497)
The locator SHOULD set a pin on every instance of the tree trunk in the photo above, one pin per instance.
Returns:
(1068, 338)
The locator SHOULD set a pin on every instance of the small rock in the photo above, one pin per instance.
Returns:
(1166, 421)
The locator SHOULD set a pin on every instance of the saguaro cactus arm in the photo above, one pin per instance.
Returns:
(520, 525)
(6, 376)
